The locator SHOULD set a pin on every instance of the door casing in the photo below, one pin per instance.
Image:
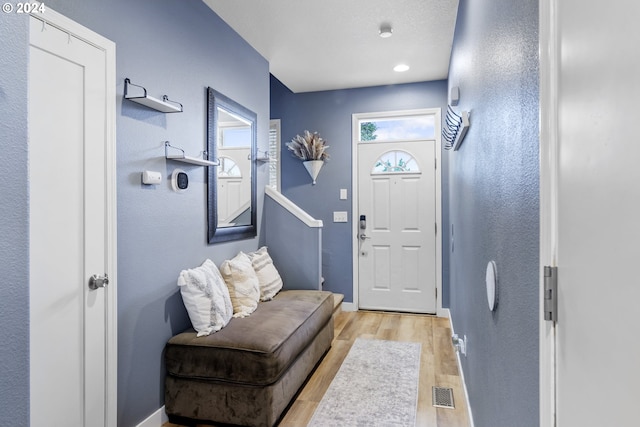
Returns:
(440, 311)
(549, 63)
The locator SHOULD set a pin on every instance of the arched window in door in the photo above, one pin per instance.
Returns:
(228, 168)
(395, 161)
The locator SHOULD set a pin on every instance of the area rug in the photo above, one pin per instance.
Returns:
(376, 386)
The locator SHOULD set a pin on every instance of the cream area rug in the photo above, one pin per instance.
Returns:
(377, 385)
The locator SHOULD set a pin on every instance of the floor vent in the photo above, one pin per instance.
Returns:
(443, 397)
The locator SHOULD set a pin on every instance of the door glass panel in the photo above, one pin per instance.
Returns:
(228, 168)
(396, 161)
(403, 128)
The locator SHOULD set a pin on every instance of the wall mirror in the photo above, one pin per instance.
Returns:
(231, 138)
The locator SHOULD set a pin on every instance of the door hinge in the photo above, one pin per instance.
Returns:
(436, 228)
(551, 293)
(436, 294)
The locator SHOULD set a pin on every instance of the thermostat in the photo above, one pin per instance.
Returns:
(179, 180)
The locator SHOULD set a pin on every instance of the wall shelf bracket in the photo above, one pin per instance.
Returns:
(178, 155)
(165, 105)
(263, 157)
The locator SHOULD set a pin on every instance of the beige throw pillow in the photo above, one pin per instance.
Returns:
(269, 279)
(242, 283)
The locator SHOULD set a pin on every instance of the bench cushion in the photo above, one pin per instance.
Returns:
(254, 350)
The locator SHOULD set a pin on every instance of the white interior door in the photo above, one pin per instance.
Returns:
(591, 207)
(234, 184)
(71, 233)
(397, 245)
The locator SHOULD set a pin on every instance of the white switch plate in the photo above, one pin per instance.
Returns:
(340, 216)
(343, 194)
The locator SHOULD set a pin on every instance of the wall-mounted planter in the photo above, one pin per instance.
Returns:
(313, 167)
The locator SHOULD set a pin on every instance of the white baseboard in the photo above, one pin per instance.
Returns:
(464, 383)
(349, 306)
(157, 419)
(443, 312)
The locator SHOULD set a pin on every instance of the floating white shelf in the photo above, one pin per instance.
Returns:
(165, 105)
(180, 157)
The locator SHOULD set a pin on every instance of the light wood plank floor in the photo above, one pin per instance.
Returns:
(438, 364)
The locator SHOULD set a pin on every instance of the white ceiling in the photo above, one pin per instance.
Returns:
(314, 45)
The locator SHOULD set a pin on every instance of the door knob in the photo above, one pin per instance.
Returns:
(97, 281)
(364, 236)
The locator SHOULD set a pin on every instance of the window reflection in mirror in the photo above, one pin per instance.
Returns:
(234, 172)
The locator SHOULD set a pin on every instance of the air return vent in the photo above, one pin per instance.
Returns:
(443, 397)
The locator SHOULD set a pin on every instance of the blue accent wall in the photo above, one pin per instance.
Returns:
(494, 207)
(329, 113)
(285, 235)
(14, 226)
(171, 47)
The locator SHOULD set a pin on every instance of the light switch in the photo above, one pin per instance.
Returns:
(340, 216)
(343, 194)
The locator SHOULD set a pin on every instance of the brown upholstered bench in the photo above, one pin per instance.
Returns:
(248, 372)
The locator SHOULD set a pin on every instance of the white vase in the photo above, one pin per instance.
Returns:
(313, 167)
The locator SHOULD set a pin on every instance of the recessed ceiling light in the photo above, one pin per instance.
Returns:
(400, 68)
(385, 31)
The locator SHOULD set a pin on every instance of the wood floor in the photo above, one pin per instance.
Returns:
(437, 364)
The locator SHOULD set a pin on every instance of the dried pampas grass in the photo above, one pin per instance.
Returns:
(309, 146)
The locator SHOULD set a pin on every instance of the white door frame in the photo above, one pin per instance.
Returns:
(440, 312)
(549, 69)
(109, 48)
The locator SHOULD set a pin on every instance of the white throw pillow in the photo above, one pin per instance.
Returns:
(269, 279)
(242, 283)
(206, 297)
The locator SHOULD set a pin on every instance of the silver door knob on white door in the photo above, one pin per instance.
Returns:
(96, 281)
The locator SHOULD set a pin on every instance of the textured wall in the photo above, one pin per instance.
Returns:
(176, 48)
(14, 226)
(329, 113)
(494, 207)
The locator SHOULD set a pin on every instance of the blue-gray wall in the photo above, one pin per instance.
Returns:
(171, 47)
(329, 113)
(281, 228)
(14, 222)
(494, 207)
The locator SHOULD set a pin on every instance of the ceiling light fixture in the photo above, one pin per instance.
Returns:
(400, 68)
(385, 31)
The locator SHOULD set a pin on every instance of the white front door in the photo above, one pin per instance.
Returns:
(72, 233)
(397, 226)
(590, 212)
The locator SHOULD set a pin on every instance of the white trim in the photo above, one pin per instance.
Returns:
(157, 419)
(444, 313)
(549, 68)
(464, 383)
(80, 32)
(349, 306)
(303, 216)
(355, 138)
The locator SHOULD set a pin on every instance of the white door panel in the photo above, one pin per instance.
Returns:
(69, 241)
(397, 260)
